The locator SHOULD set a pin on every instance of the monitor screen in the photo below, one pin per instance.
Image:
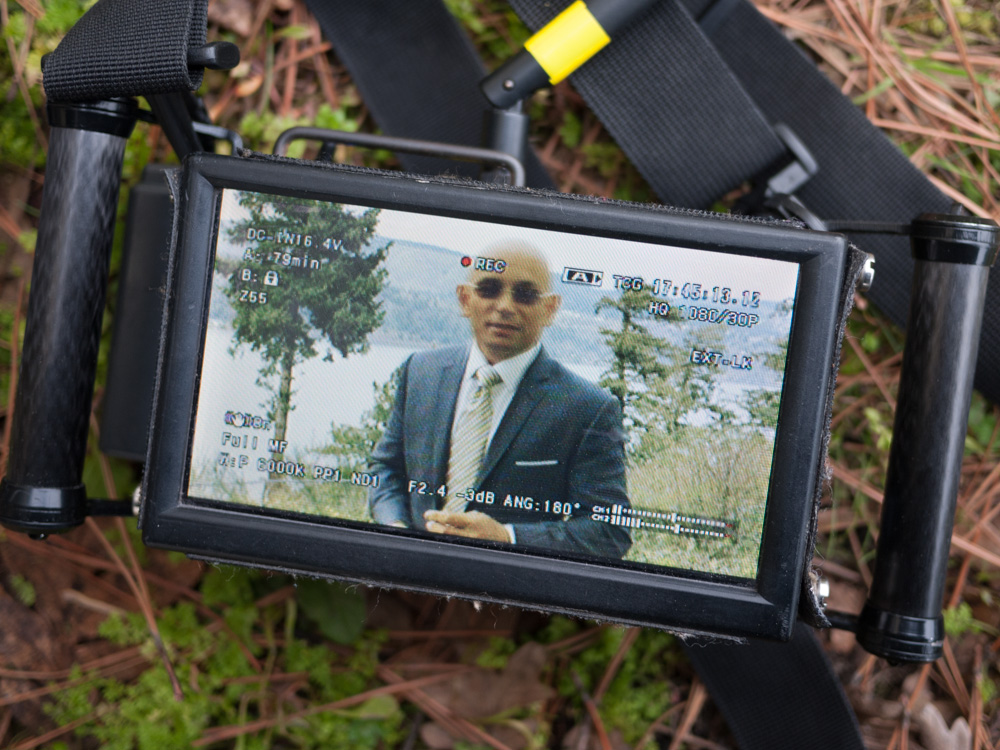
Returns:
(565, 394)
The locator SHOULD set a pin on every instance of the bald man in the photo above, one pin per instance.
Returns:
(497, 441)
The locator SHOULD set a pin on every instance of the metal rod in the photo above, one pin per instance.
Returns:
(407, 145)
(173, 115)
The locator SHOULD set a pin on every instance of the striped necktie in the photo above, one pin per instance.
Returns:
(468, 441)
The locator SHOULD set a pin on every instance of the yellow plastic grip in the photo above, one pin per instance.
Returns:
(567, 41)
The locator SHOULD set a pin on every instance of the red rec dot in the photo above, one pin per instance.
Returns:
(466, 261)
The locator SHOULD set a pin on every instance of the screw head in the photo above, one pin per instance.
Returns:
(867, 275)
(508, 84)
(136, 501)
(820, 586)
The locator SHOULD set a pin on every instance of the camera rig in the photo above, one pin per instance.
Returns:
(42, 491)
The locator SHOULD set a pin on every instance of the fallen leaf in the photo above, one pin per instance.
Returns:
(512, 733)
(27, 642)
(337, 610)
(591, 740)
(936, 734)
(379, 707)
(235, 15)
(387, 610)
(27, 639)
(481, 693)
(436, 737)
(249, 85)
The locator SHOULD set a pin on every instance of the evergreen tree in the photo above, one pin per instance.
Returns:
(641, 362)
(763, 404)
(328, 278)
(352, 445)
(654, 380)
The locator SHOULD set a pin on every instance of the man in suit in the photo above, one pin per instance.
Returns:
(498, 441)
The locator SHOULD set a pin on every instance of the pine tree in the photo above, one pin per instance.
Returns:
(653, 379)
(329, 276)
(641, 362)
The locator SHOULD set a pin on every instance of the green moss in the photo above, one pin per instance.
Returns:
(496, 655)
(22, 589)
(124, 630)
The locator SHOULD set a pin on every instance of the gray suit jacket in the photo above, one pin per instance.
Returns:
(557, 453)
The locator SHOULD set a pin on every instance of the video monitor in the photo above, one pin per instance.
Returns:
(391, 366)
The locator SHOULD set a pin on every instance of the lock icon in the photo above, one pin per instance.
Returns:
(271, 278)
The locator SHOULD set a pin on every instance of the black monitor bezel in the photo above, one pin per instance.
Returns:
(764, 607)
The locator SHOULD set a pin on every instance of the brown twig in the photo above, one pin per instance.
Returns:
(979, 731)
(592, 711)
(958, 197)
(51, 547)
(18, 61)
(290, 47)
(263, 11)
(949, 668)
(871, 370)
(985, 486)
(898, 734)
(875, 29)
(315, 50)
(628, 640)
(13, 372)
(695, 702)
(574, 641)
(851, 480)
(145, 606)
(135, 579)
(859, 558)
(439, 667)
(218, 734)
(442, 714)
(55, 733)
(916, 88)
(854, 406)
(58, 687)
(840, 571)
(433, 635)
(937, 133)
(61, 674)
(9, 226)
(696, 743)
(72, 596)
(657, 725)
(958, 37)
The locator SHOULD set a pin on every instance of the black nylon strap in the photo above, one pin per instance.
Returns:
(417, 72)
(773, 695)
(691, 149)
(127, 48)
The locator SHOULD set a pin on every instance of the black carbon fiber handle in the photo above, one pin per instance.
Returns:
(42, 491)
(902, 619)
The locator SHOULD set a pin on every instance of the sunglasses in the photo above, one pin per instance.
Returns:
(522, 292)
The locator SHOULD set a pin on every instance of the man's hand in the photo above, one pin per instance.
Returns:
(473, 524)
